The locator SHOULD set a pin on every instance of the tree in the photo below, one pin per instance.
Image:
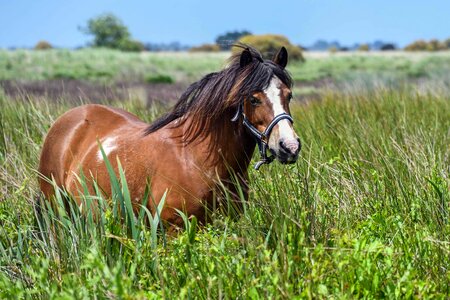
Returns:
(226, 40)
(108, 31)
(388, 47)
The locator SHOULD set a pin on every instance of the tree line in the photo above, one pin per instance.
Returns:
(109, 31)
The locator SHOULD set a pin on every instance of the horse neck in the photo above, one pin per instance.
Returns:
(229, 146)
(239, 146)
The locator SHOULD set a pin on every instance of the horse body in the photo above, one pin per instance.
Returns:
(189, 152)
(189, 173)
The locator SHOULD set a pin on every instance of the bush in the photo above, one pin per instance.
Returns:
(159, 79)
(270, 44)
(433, 45)
(205, 48)
(43, 45)
(364, 47)
(131, 45)
(447, 43)
(419, 45)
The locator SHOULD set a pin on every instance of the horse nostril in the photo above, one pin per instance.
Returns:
(281, 143)
(291, 147)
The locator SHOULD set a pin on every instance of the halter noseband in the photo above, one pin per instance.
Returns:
(262, 138)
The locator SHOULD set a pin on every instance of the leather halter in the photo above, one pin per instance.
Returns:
(262, 138)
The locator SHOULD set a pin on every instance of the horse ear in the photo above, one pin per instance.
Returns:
(246, 58)
(281, 58)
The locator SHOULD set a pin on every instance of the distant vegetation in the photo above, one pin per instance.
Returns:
(173, 46)
(432, 45)
(206, 48)
(388, 47)
(364, 47)
(269, 44)
(419, 45)
(159, 79)
(334, 46)
(226, 40)
(43, 45)
(105, 65)
(110, 32)
(110, 66)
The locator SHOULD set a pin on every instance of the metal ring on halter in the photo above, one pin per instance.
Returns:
(262, 138)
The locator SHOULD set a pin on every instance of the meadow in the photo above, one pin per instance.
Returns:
(108, 66)
(364, 213)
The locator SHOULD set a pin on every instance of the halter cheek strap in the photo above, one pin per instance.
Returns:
(262, 138)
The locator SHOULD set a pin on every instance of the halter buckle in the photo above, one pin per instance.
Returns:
(264, 138)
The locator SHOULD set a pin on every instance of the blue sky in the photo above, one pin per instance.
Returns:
(24, 22)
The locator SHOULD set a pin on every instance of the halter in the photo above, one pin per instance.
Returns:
(262, 138)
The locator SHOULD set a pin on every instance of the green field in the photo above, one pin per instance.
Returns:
(364, 213)
(115, 66)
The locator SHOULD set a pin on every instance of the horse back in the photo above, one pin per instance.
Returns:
(73, 135)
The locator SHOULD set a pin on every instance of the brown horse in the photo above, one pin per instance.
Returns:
(208, 137)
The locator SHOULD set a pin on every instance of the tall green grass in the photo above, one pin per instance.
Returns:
(363, 213)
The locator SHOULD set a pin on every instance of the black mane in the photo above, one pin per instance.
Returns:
(207, 99)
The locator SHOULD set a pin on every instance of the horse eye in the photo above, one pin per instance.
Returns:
(289, 97)
(254, 101)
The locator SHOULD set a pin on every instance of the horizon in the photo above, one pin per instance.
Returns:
(23, 23)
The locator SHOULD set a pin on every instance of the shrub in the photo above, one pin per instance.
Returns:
(65, 74)
(435, 45)
(269, 44)
(419, 45)
(43, 45)
(205, 48)
(159, 79)
(131, 45)
(364, 47)
(447, 43)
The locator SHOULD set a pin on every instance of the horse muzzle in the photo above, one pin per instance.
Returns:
(288, 150)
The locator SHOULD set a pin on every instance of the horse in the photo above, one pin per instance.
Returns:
(201, 144)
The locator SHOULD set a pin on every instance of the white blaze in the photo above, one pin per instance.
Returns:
(273, 92)
(109, 144)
